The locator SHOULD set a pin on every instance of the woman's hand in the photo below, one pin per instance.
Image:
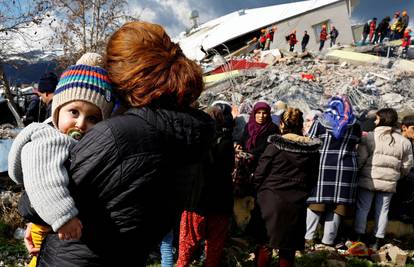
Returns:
(28, 242)
(238, 148)
(72, 230)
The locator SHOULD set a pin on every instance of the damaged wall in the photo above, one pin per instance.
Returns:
(335, 14)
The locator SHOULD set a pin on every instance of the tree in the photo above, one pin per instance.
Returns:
(16, 17)
(85, 25)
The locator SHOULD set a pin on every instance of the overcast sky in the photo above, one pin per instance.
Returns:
(174, 14)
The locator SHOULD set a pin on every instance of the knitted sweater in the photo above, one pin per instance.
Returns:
(37, 159)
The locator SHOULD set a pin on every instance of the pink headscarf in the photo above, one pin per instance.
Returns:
(254, 128)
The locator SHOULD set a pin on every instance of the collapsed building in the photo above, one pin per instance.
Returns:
(233, 31)
(372, 76)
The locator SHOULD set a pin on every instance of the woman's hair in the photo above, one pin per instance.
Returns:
(388, 117)
(217, 115)
(292, 120)
(146, 67)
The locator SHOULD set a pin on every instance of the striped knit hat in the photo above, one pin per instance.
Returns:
(86, 81)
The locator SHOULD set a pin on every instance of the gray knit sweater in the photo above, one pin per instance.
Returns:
(37, 159)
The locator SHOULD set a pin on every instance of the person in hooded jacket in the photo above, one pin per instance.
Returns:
(334, 193)
(133, 174)
(286, 172)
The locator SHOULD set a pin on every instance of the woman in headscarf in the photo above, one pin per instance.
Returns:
(335, 190)
(257, 130)
(254, 141)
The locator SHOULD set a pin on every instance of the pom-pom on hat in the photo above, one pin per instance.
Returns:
(86, 81)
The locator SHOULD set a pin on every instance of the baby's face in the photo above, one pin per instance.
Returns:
(79, 115)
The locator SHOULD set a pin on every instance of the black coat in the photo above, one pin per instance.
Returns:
(286, 172)
(217, 195)
(133, 175)
(305, 39)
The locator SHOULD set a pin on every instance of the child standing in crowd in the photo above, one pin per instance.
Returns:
(286, 172)
(384, 156)
(211, 217)
(40, 152)
(402, 203)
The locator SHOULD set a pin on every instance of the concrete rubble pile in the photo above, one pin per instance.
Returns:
(308, 83)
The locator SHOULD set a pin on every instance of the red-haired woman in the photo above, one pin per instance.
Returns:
(132, 174)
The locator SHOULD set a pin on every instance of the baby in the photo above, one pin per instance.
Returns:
(39, 154)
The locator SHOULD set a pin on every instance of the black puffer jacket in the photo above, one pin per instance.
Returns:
(133, 175)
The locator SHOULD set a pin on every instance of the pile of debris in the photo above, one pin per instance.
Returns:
(307, 83)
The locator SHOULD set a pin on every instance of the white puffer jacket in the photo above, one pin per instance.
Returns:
(381, 161)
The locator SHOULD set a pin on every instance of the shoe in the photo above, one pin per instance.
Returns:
(341, 246)
(309, 245)
(378, 243)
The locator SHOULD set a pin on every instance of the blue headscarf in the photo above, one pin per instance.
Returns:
(338, 115)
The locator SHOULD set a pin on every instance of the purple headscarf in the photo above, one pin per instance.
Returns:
(254, 128)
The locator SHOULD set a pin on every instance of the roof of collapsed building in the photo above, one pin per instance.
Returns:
(238, 23)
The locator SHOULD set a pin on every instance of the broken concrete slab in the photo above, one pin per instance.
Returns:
(403, 65)
(220, 77)
(397, 255)
(357, 58)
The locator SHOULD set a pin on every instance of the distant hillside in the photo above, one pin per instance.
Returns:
(28, 67)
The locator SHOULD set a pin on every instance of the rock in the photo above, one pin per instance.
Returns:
(403, 65)
(392, 98)
(381, 256)
(398, 256)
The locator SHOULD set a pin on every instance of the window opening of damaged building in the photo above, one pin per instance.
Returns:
(317, 28)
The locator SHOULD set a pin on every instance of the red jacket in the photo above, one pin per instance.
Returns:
(292, 39)
(324, 35)
(406, 41)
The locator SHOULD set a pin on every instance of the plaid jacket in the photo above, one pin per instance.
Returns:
(337, 178)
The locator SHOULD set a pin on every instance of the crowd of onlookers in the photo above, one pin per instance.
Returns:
(302, 170)
(126, 153)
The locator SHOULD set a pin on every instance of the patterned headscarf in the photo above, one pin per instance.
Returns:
(254, 128)
(338, 115)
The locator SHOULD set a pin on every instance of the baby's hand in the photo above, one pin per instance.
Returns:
(72, 230)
